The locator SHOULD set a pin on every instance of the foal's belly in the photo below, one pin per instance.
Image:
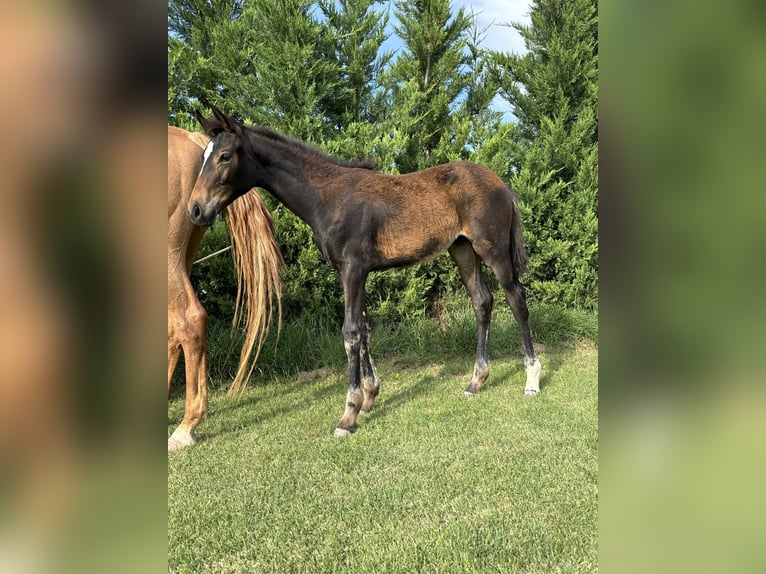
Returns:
(415, 241)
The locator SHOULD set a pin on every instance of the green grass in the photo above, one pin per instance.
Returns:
(432, 481)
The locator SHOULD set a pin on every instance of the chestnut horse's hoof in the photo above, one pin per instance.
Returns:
(339, 432)
(181, 439)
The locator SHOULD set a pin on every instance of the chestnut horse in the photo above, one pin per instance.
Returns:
(364, 221)
(257, 260)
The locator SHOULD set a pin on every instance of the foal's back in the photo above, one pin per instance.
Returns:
(419, 215)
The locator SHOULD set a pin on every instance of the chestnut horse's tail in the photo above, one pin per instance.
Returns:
(518, 249)
(257, 262)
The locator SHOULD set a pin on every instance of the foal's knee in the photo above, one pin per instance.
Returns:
(482, 305)
(352, 337)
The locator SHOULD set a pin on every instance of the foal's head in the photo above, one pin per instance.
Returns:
(226, 168)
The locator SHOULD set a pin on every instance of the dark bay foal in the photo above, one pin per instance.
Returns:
(364, 221)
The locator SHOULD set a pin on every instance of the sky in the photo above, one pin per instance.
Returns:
(490, 14)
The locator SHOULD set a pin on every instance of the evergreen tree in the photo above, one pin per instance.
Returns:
(480, 133)
(207, 39)
(554, 162)
(291, 79)
(427, 79)
(315, 70)
(355, 32)
(263, 60)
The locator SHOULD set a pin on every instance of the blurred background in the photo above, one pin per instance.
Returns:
(682, 214)
(81, 287)
(681, 218)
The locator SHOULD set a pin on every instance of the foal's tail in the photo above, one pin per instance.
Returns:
(257, 262)
(518, 250)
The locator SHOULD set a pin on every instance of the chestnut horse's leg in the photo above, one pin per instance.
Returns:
(174, 351)
(191, 330)
(370, 380)
(353, 332)
(481, 298)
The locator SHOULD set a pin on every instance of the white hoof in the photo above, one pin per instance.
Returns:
(533, 369)
(181, 438)
(341, 432)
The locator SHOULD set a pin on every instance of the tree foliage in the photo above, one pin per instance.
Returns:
(318, 70)
(427, 79)
(554, 163)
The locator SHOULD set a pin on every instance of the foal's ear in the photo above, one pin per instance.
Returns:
(228, 123)
(220, 123)
(211, 126)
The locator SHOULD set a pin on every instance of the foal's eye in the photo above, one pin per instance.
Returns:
(225, 157)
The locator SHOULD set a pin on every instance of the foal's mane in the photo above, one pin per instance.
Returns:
(308, 148)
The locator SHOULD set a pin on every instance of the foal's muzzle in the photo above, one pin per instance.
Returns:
(201, 216)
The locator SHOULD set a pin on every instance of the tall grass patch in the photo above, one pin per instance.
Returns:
(308, 344)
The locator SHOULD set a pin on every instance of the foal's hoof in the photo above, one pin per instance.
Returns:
(471, 390)
(533, 368)
(339, 432)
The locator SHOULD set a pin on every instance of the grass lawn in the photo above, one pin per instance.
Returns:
(432, 481)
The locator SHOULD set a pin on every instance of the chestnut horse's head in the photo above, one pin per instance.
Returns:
(227, 171)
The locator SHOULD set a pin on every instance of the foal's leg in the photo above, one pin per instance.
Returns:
(514, 294)
(370, 380)
(518, 302)
(481, 298)
(353, 333)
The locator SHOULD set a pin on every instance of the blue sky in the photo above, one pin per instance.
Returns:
(490, 14)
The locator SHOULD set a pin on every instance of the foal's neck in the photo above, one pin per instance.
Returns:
(282, 172)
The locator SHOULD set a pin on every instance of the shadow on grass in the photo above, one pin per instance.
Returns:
(282, 400)
(388, 404)
(256, 408)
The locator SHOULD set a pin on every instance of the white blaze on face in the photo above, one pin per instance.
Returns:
(208, 151)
